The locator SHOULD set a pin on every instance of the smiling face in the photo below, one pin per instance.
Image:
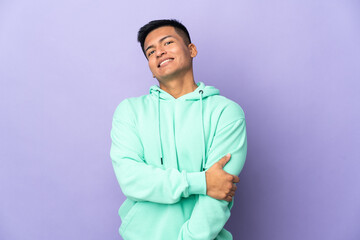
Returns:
(167, 53)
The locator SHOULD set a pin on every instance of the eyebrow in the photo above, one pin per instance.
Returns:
(162, 39)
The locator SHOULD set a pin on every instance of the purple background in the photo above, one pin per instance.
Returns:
(292, 65)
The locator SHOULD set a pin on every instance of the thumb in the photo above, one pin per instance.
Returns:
(224, 160)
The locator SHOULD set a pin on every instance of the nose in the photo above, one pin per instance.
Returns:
(160, 51)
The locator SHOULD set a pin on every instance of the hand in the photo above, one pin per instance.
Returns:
(220, 184)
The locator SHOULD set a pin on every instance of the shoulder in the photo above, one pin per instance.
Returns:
(229, 109)
(127, 105)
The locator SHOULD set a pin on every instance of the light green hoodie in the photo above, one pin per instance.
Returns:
(161, 148)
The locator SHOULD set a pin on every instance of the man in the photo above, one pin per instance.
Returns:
(169, 148)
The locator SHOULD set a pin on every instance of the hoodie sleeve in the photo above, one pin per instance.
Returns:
(210, 215)
(138, 180)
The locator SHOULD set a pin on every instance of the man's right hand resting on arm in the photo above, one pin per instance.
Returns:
(220, 184)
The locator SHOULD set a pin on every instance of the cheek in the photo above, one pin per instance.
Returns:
(184, 54)
(183, 58)
(152, 65)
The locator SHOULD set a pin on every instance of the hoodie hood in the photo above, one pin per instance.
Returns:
(199, 94)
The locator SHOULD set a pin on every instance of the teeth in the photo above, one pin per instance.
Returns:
(167, 60)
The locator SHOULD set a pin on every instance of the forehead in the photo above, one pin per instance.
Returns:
(156, 34)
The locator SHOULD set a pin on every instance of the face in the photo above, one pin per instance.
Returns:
(168, 55)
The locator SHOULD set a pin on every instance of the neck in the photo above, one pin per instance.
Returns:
(179, 85)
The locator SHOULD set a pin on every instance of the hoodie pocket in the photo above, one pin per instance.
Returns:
(126, 213)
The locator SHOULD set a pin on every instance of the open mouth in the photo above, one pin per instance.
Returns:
(163, 63)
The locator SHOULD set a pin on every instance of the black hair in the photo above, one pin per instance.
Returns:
(147, 28)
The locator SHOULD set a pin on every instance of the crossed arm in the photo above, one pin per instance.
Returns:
(210, 215)
(142, 182)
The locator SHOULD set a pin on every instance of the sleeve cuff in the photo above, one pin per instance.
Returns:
(197, 183)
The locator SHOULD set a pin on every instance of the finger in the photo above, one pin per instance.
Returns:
(228, 198)
(224, 160)
(234, 188)
(236, 179)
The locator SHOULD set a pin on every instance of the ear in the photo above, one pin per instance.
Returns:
(192, 49)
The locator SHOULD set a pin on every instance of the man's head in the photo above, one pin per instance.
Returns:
(168, 49)
(147, 28)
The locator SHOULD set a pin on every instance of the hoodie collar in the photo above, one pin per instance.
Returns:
(207, 91)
